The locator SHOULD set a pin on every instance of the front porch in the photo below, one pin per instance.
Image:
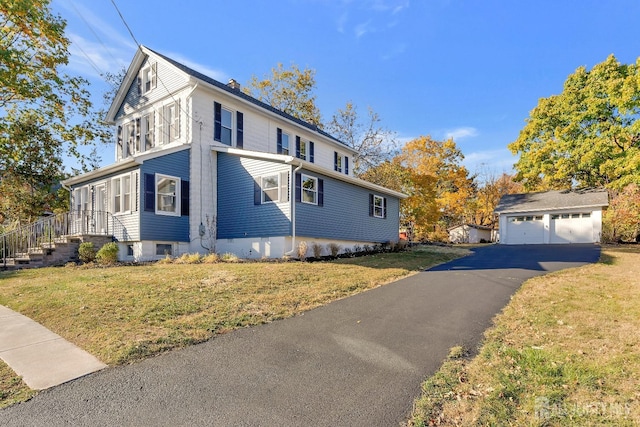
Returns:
(54, 240)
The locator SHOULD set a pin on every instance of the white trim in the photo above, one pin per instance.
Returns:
(314, 190)
(176, 195)
(122, 188)
(381, 207)
(263, 191)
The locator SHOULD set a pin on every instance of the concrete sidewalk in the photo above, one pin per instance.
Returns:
(42, 358)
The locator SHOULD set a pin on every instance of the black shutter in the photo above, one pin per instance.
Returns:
(298, 187)
(384, 207)
(284, 186)
(139, 83)
(279, 142)
(149, 192)
(217, 118)
(239, 129)
(184, 198)
(120, 151)
(320, 192)
(297, 146)
(335, 160)
(371, 206)
(311, 151)
(346, 165)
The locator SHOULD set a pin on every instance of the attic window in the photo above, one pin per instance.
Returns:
(148, 78)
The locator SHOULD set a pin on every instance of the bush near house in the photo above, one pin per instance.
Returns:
(108, 254)
(87, 252)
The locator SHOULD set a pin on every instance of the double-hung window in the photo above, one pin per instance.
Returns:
(304, 149)
(309, 189)
(121, 187)
(270, 188)
(169, 117)
(223, 131)
(147, 125)
(147, 79)
(340, 163)
(167, 195)
(377, 206)
(282, 142)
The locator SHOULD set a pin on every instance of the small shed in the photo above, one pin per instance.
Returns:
(470, 233)
(551, 217)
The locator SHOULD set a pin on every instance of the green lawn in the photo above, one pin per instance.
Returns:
(126, 313)
(564, 352)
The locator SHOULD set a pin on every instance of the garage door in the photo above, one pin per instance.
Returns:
(525, 230)
(571, 228)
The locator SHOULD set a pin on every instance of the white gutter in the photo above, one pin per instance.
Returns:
(292, 200)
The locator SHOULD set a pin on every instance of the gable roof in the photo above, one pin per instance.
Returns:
(144, 51)
(552, 200)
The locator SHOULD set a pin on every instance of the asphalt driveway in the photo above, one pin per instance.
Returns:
(355, 362)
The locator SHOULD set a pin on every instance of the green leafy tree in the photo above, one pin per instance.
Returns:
(589, 135)
(289, 90)
(45, 114)
(373, 143)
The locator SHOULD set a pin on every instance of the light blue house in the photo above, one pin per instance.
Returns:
(201, 166)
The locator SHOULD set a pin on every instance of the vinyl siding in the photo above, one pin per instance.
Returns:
(238, 216)
(345, 215)
(125, 227)
(169, 80)
(164, 227)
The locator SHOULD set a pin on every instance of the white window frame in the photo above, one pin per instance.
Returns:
(264, 190)
(147, 132)
(313, 191)
(304, 149)
(121, 193)
(176, 195)
(286, 149)
(148, 78)
(378, 205)
(224, 127)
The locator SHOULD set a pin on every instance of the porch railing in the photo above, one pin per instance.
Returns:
(44, 232)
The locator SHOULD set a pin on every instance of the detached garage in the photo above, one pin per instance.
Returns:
(551, 217)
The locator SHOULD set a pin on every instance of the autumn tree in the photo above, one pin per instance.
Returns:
(289, 90)
(621, 221)
(373, 143)
(438, 185)
(486, 196)
(589, 135)
(45, 113)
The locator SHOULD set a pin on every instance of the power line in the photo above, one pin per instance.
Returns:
(125, 23)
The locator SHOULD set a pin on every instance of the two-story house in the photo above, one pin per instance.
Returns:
(201, 166)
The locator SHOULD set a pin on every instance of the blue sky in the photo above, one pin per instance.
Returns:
(469, 69)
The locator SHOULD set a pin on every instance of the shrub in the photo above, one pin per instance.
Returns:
(211, 258)
(366, 248)
(108, 254)
(166, 260)
(357, 248)
(399, 246)
(302, 250)
(87, 252)
(195, 258)
(316, 248)
(348, 252)
(229, 257)
(333, 249)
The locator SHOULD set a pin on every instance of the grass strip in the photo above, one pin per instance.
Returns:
(564, 352)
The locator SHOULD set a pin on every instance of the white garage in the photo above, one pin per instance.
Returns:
(551, 217)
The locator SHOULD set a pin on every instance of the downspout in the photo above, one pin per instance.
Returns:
(292, 198)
